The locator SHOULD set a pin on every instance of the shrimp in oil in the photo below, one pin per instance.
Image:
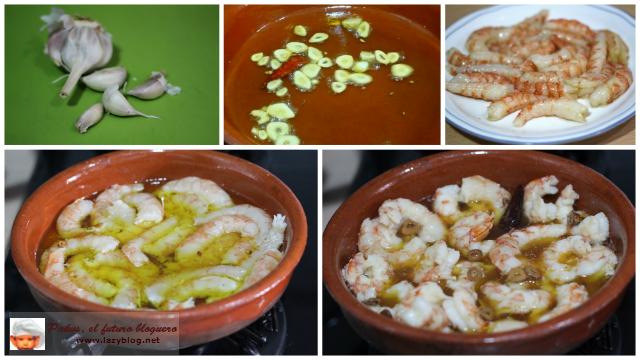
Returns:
(538, 211)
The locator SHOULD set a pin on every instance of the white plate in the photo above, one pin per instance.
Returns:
(470, 115)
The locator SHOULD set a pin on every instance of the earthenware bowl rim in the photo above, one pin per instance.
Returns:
(350, 305)
(28, 268)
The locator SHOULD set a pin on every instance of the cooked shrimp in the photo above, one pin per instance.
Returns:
(594, 228)
(410, 253)
(109, 203)
(400, 291)
(175, 305)
(394, 213)
(194, 202)
(512, 103)
(471, 229)
(261, 268)
(126, 298)
(589, 259)
(482, 91)
(598, 57)
(133, 249)
(206, 189)
(366, 275)
(507, 248)
(210, 286)
(569, 296)
(479, 188)
(484, 246)
(515, 300)
(69, 222)
(507, 324)
(613, 88)
(445, 201)
(163, 246)
(463, 312)
(537, 211)
(149, 209)
(437, 263)
(574, 27)
(617, 50)
(221, 225)
(375, 237)
(156, 292)
(238, 252)
(422, 308)
(275, 237)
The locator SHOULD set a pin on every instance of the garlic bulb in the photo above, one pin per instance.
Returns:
(154, 87)
(90, 117)
(100, 80)
(115, 103)
(76, 44)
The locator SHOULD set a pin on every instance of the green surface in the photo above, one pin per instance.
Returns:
(180, 40)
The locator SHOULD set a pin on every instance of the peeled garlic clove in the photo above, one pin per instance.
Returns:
(345, 61)
(300, 30)
(90, 117)
(401, 71)
(318, 38)
(102, 79)
(115, 103)
(280, 111)
(78, 45)
(153, 88)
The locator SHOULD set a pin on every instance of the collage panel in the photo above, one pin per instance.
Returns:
(111, 74)
(332, 74)
(218, 247)
(540, 74)
(479, 252)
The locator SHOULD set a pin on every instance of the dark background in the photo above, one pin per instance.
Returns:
(297, 169)
(617, 165)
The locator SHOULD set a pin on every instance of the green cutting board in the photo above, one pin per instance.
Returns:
(180, 40)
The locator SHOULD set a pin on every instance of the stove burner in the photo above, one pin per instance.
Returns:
(265, 336)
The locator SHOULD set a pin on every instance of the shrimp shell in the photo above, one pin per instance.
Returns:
(563, 108)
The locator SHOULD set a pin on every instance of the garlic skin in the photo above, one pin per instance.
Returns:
(76, 44)
(115, 103)
(154, 87)
(90, 117)
(100, 80)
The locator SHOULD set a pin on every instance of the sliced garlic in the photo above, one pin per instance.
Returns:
(296, 47)
(276, 129)
(351, 23)
(282, 92)
(260, 116)
(263, 61)
(275, 64)
(364, 29)
(262, 135)
(360, 66)
(381, 57)
(288, 140)
(367, 56)
(325, 62)
(341, 76)
(257, 56)
(273, 85)
(300, 30)
(301, 80)
(254, 131)
(338, 87)
(360, 78)
(282, 54)
(393, 57)
(345, 61)
(314, 54)
(318, 38)
(311, 70)
(401, 71)
(280, 111)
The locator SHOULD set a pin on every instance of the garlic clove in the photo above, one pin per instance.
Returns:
(115, 103)
(90, 117)
(153, 88)
(102, 79)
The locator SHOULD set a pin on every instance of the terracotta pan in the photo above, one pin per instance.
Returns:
(242, 21)
(246, 182)
(422, 177)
